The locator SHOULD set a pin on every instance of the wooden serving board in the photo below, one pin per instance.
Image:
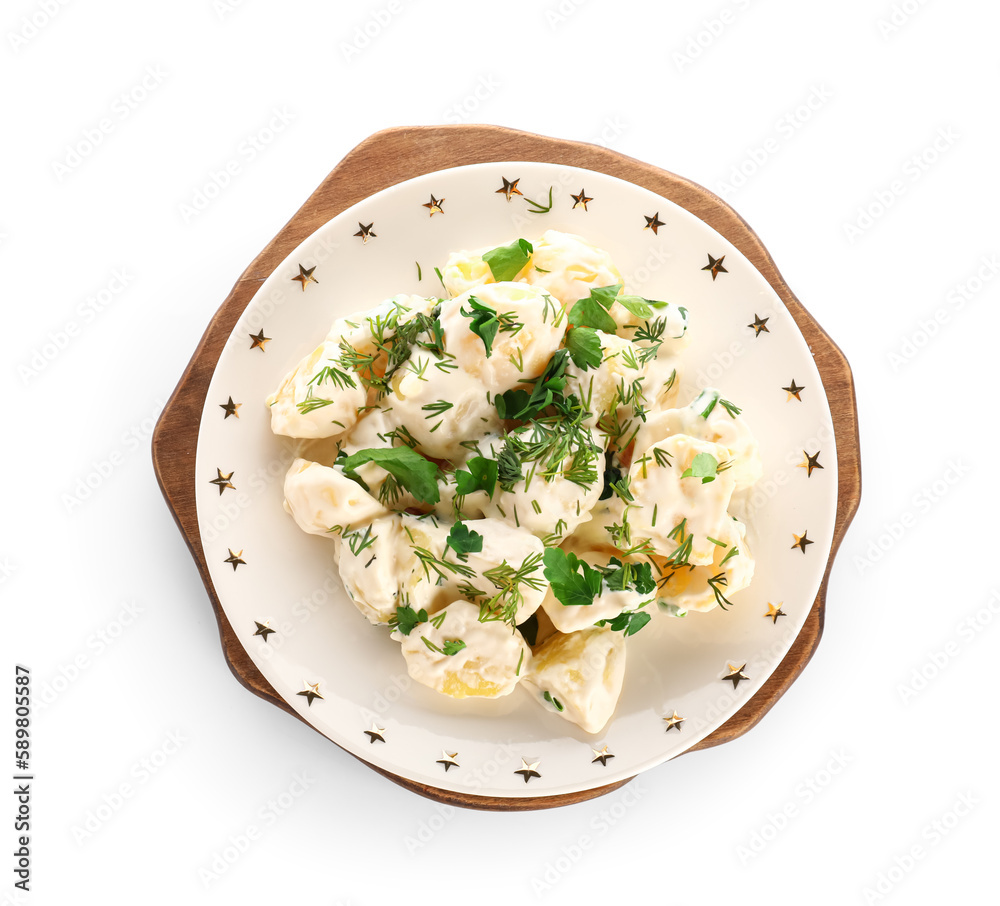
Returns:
(395, 155)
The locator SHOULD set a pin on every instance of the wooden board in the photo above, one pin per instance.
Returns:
(395, 155)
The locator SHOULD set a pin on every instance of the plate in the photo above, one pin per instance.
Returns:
(300, 642)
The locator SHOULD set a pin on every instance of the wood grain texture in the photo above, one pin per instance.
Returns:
(395, 155)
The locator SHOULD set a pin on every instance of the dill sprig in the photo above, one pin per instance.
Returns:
(510, 584)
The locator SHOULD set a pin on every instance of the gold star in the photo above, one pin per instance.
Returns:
(775, 611)
(509, 188)
(264, 630)
(653, 223)
(810, 462)
(527, 771)
(259, 340)
(715, 266)
(581, 199)
(310, 692)
(375, 733)
(673, 722)
(306, 276)
(759, 324)
(736, 674)
(231, 408)
(601, 755)
(435, 205)
(223, 481)
(793, 390)
(235, 559)
(801, 541)
(366, 232)
(447, 758)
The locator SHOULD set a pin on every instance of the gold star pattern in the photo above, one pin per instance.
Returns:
(447, 758)
(223, 481)
(259, 340)
(601, 755)
(736, 674)
(375, 733)
(801, 541)
(434, 205)
(235, 559)
(810, 462)
(306, 276)
(653, 223)
(311, 692)
(774, 611)
(674, 722)
(366, 232)
(264, 630)
(715, 266)
(793, 389)
(509, 188)
(581, 201)
(759, 324)
(527, 771)
(231, 408)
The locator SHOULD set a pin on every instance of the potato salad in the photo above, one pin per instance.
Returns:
(515, 486)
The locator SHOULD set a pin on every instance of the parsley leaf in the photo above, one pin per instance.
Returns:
(507, 261)
(485, 322)
(704, 466)
(479, 474)
(593, 311)
(414, 473)
(629, 622)
(574, 582)
(548, 389)
(407, 618)
(640, 307)
(463, 541)
(453, 646)
(584, 347)
(621, 576)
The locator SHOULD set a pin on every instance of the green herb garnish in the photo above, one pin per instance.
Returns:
(593, 311)
(547, 389)
(507, 261)
(463, 541)
(508, 467)
(414, 473)
(537, 208)
(704, 466)
(407, 618)
(552, 700)
(486, 322)
(479, 474)
(629, 622)
(584, 347)
(574, 582)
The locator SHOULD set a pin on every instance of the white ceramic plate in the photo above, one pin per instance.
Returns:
(289, 583)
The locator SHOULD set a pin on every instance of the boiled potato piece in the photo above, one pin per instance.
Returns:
(568, 267)
(530, 328)
(680, 516)
(579, 675)
(368, 563)
(456, 654)
(320, 498)
(707, 587)
(709, 418)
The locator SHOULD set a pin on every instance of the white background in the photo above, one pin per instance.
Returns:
(873, 779)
